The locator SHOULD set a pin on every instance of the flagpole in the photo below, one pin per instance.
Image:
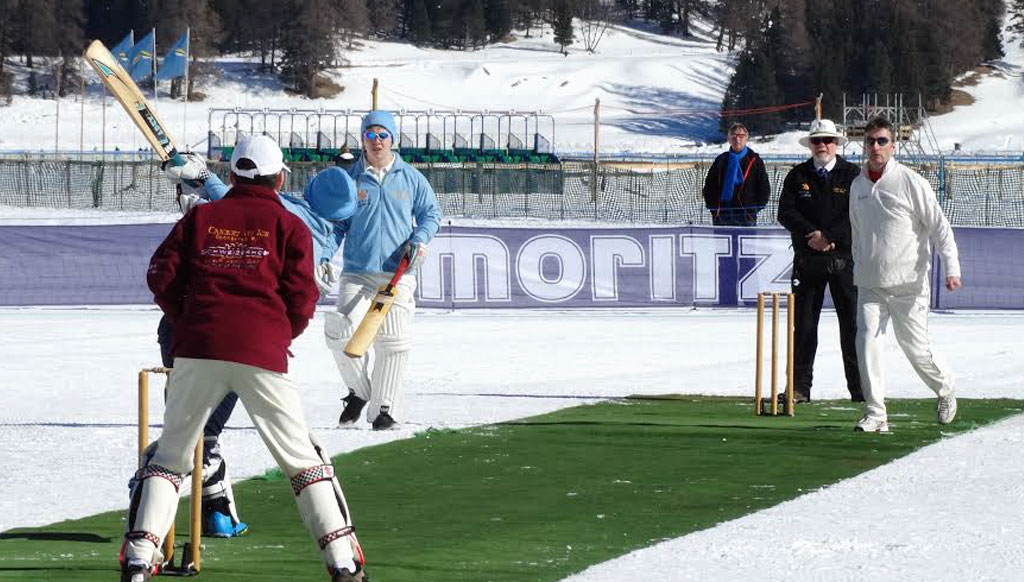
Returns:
(184, 115)
(81, 116)
(154, 66)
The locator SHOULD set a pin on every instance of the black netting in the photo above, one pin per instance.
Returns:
(656, 193)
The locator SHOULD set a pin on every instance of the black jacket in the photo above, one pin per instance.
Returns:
(752, 194)
(808, 203)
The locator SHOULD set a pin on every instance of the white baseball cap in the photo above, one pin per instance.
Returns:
(261, 152)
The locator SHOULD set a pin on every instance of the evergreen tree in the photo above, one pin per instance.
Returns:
(1016, 13)
(308, 45)
(8, 23)
(498, 19)
(752, 86)
(475, 23)
(419, 23)
(562, 23)
(354, 19)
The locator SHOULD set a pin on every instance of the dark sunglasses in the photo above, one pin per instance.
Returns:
(822, 140)
(881, 141)
(372, 135)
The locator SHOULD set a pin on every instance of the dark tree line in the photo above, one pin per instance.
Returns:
(798, 49)
(791, 50)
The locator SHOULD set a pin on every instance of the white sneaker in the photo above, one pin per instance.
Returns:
(872, 424)
(946, 409)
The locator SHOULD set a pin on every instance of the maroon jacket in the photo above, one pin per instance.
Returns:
(236, 279)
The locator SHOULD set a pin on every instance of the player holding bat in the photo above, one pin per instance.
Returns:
(396, 217)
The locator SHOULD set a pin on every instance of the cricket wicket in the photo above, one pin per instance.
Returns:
(759, 358)
(191, 553)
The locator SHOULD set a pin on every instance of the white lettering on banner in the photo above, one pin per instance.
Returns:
(572, 268)
(465, 254)
(607, 254)
(771, 273)
(663, 267)
(705, 250)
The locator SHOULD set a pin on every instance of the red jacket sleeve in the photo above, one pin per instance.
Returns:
(298, 289)
(167, 274)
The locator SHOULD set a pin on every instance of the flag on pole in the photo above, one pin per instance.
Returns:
(122, 49)
(175, 61)
(141, 58)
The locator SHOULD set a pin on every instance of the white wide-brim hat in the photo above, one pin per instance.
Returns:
(823, 128)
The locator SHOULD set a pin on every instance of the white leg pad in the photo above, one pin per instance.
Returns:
(216, 483)
(338, 329)
(392, 354)
(154, 502)
(316, 496)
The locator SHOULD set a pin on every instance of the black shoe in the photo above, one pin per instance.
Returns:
(344, 575)
(353, 409)
(384, 420)
(798, 397)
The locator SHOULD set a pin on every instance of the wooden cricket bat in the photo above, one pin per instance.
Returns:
(366, 333)
(127, 93)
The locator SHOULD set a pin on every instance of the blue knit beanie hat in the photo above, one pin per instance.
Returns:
(383, 119)
(332, 194)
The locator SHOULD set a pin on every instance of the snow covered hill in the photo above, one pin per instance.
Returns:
(659, 95)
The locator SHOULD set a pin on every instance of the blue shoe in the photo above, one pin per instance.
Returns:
(220, 525)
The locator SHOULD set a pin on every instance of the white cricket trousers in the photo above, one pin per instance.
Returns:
(380, 386)
(272, 400)
(906, 306)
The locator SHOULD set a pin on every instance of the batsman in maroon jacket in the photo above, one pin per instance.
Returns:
(236, 279)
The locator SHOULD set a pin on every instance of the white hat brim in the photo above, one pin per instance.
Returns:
(840, 139)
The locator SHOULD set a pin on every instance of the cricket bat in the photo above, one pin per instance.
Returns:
(366, 333)
(127, 93)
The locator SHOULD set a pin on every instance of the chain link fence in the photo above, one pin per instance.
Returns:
(667, 192)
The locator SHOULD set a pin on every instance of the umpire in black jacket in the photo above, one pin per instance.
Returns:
(815, 207)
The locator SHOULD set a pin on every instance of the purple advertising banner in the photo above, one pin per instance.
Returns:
(470, 268)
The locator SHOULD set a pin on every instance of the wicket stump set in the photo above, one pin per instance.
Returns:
(191, 554)
(759, 405)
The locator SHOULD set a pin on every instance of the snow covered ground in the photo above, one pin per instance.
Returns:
(659, 95)
(951, 511)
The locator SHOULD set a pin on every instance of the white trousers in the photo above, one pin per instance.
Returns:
(196, 387)
(380, 383)
(906, 306)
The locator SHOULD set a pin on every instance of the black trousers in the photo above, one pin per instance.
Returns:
(811, 273)
(215, 424)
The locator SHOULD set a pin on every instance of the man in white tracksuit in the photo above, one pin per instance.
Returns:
(894, 215)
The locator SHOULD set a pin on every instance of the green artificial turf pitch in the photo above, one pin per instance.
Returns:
(536, 499)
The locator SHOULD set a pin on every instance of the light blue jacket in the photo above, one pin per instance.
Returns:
(325, 243)
(402, 208)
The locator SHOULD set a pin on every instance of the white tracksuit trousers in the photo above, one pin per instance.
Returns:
(380, 383)
(907, 307)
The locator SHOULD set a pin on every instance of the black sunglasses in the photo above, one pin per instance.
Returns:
(821, 140)
(881, 141)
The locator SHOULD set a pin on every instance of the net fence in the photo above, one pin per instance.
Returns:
(667, 192)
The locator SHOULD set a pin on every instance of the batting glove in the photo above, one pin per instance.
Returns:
(326, 275)
(416, 251)
(193, 173)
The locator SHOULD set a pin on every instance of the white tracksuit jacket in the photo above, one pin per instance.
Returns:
(894, 223)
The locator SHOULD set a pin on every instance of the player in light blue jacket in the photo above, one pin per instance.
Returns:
(396, 214)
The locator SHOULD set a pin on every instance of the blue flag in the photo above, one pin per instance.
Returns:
(175, 62)
(123, 48)
(141, 58)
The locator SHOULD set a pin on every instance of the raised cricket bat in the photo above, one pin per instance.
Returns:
(127, 93)
(363, 338)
